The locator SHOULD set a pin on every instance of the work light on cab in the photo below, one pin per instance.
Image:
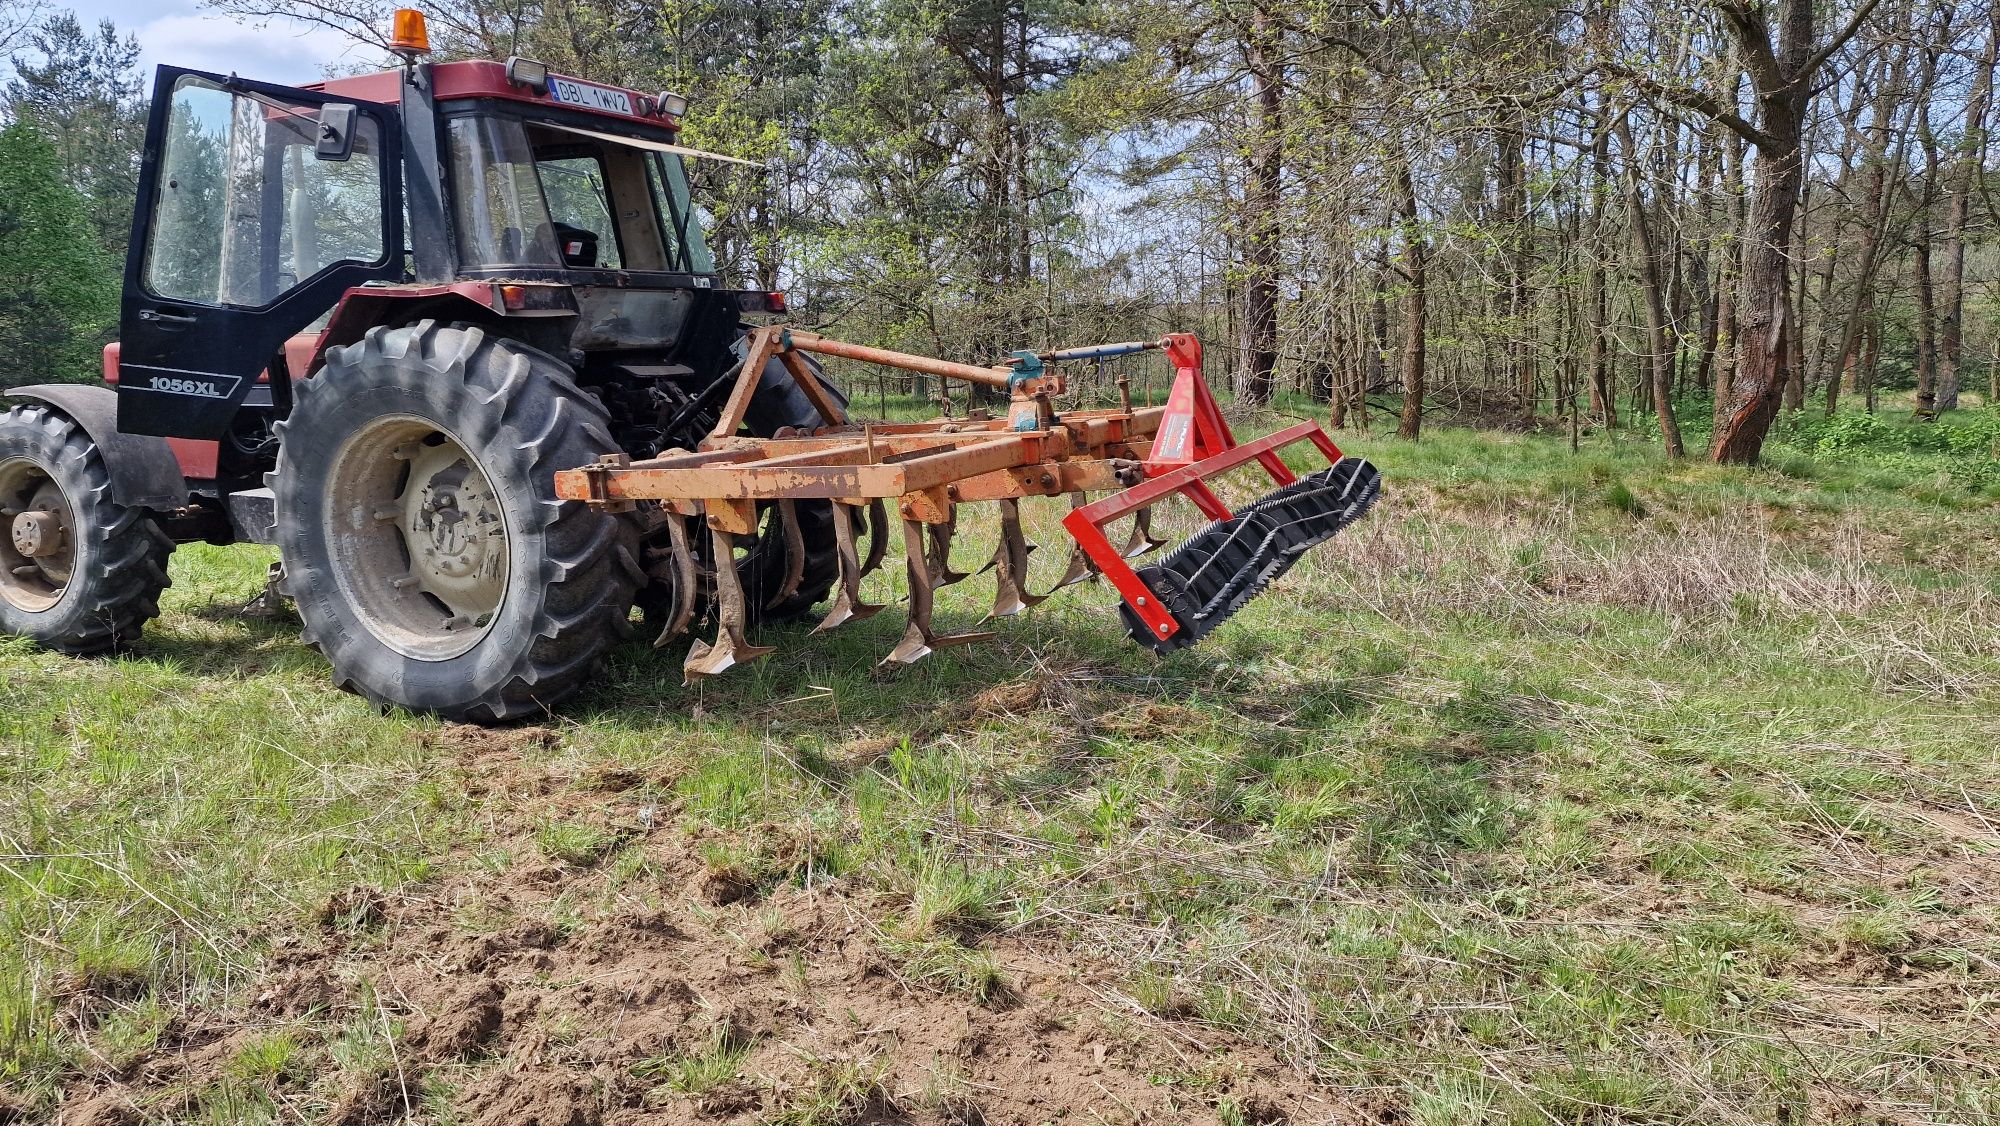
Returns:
(531, 73)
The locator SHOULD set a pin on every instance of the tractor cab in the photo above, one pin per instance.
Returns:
(277, 222)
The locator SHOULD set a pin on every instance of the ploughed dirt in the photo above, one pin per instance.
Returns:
(540, 992)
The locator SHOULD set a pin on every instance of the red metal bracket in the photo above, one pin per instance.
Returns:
(1086, 524)
(1193, 429)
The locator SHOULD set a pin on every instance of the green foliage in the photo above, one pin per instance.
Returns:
(58, 285)
(1965, 445)
(84, 90)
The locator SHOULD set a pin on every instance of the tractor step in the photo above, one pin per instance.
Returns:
(1230, 562)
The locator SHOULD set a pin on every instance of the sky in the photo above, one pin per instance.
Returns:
(184, 33)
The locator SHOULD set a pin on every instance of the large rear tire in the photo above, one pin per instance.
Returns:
(79, 572)
(432, 563)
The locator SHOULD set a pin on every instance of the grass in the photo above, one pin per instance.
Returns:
(715, 1063)
(1571, 787)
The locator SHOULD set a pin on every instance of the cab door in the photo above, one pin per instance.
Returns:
(258, 207)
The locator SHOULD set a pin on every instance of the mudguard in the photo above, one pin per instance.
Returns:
(144, 471)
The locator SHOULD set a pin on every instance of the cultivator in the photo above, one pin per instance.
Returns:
(928, 469)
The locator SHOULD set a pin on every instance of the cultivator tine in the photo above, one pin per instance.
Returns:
(730, 647)
(847, 603)
(1142, 541)
(919, 639)
(938, 555)
(685, 578)
(795, 553)
(1010, 565)
(1080, 567)
(878, 536)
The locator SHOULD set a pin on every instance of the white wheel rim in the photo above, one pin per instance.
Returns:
(418, 537)
(37, 537)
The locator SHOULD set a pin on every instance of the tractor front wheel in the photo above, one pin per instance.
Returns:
(430, 558)
(79, 572)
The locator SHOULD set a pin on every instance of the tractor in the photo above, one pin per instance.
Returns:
(449, 336)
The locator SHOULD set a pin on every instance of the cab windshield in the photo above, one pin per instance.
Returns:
(532, 195)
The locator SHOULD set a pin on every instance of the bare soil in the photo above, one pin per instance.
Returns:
(537, 993)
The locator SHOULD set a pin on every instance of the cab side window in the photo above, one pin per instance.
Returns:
(245, 210)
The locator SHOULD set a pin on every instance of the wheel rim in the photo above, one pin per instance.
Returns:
(37, 536)
(419, 540)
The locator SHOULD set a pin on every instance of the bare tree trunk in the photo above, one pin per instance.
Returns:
(1927, 390)
(1926, 314)
(1513, 193)
(1875, 191)
(1416, 251)
(1782, 72)
(1596, 294)
(1378, 322)
(1262, 197)
(1971, 158)
(1763, 316)
(1871, 355)
(1647, 269)
(1729, 346)
(1795, 375)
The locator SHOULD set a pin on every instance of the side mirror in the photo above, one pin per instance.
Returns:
(336, 132)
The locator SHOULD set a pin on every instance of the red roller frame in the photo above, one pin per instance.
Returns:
(1193, 444)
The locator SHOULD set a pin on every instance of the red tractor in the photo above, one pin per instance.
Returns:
(408, 326)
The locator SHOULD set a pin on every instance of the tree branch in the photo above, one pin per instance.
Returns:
(1747, 25)
(1820, 56)
(1696, 100)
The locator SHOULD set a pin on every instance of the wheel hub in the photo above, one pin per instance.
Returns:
(38, 534)
(39, 552)
(452, 527)
(420, 536)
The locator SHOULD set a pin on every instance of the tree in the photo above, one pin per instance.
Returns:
(84, 91)
(1262, 199)
(1782, 63)
(58, 287)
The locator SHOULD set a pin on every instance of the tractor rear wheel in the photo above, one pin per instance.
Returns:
(79, 572)
(430, 558)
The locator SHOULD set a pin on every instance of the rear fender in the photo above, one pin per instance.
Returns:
(144, 471)
(365, 307)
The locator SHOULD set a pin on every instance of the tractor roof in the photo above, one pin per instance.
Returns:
(484, 78)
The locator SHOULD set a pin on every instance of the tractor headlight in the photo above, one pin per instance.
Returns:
(528, 72)
(673, 105)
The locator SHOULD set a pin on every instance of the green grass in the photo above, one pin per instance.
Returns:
(715, 1063)
(1572, 787)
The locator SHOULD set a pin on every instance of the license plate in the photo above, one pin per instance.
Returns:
(571, 92)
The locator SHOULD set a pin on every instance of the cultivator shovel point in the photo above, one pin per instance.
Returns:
(848, 605)
(928, 469)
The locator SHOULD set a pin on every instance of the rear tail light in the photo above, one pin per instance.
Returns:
(774, 301)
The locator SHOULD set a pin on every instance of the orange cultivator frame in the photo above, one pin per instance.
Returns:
(927, 469)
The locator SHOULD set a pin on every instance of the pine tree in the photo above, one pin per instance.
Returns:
(58, 285)
(84, 91)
